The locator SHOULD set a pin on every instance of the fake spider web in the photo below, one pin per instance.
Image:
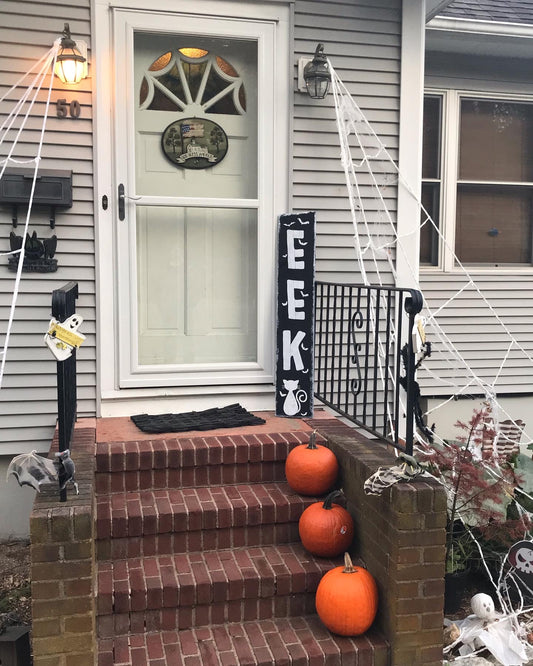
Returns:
(23, 95)
(373, 180)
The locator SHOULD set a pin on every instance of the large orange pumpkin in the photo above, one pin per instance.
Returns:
(347, 599)
(311, 469)
(326, 529)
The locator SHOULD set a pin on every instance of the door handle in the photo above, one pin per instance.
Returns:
(121, 202)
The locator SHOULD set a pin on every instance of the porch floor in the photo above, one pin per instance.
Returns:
(123, 429)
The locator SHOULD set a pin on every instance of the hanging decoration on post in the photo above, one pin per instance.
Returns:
(295, 316)
(521, 559)
(31, 469)
(194, 143)
(62, 338)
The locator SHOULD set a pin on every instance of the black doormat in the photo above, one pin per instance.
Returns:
(231, 416)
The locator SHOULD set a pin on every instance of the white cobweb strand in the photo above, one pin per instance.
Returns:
(364, 154)
(46, 63)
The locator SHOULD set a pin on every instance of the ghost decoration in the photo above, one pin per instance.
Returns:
(63, 337)
(31, 469)
(66, 470)
(488, 629)
(483, 606)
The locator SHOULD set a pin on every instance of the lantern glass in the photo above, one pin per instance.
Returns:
(70, 67)
(317, 87)
(317, 75)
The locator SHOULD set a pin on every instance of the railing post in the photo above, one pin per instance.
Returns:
(412, 305)
(64, 306)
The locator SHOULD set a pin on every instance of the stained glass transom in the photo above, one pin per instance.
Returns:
(178, 78)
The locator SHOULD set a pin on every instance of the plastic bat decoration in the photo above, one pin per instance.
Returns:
(32, 470)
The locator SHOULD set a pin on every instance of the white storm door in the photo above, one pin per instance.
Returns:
(195, 144)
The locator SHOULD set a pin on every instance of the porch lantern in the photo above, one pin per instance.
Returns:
(317, 75)
(71, 65)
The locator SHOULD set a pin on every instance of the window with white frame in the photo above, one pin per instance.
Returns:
(477, 180)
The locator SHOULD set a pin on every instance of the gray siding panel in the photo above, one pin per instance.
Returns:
(362, 41)
(478, 336)
(28, 409)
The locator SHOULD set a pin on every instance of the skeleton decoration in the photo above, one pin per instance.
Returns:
(66, 470)
(406, 470)
(31, 469)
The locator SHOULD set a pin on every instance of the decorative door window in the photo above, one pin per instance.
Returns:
(192, 75)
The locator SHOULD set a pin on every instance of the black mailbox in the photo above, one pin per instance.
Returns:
(53, 187)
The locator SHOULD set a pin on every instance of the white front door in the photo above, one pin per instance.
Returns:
(196, 123)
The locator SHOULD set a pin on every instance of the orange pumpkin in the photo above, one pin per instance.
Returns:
(311, 469)
(347, 599)
(326, 529)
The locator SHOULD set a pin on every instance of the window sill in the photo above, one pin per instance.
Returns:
(521, 269)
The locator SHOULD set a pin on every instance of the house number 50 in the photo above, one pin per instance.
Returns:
(64, 109)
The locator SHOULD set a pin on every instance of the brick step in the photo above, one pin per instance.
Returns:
(196, 461)
(160, 522)
(299, 641)
(189, 590)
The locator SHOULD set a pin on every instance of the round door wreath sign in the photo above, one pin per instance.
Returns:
(194, 143)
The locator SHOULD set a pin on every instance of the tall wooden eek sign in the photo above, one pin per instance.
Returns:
(295, 320)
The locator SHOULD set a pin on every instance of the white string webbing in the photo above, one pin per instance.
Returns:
(45, 64)
(373, 159)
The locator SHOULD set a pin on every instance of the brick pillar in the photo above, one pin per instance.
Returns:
(63, 567)
(400, 535)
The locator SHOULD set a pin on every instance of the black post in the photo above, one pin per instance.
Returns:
(413, 305)
(64, 306)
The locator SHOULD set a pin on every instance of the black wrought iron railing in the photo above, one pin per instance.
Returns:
(63, 307)
(364, 357)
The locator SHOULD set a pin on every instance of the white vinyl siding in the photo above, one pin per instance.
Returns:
(362, 41)
(480, 339)
(28, 407)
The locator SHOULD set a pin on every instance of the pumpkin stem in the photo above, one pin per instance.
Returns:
(336, 494)
(348, 564)
(312, 443)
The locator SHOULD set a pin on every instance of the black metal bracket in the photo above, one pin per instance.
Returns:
(15, 220)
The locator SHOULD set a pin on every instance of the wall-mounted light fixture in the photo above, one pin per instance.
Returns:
(314, 74)
(71, 59)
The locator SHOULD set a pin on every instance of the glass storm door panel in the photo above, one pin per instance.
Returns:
(197, 287)
(195, 137)
(196, 144)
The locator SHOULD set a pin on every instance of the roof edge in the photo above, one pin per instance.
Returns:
(524, 30)
(433, 7)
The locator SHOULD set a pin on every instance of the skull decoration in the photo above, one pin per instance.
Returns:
(521, 556)
(483, 606)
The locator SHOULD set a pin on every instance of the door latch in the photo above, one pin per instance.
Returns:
(121, 202)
